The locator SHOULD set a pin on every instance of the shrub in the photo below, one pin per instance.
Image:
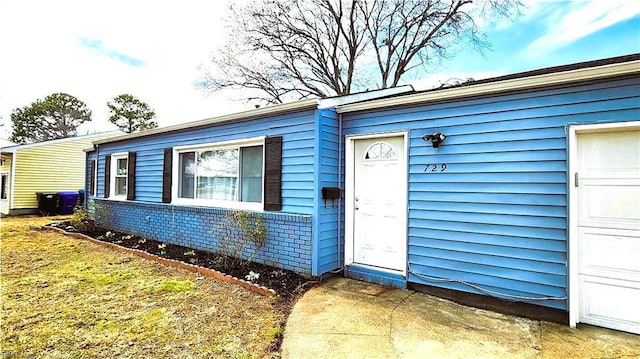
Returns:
(244, 235)
(81, 220)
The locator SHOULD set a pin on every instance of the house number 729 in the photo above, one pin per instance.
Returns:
(435, 167)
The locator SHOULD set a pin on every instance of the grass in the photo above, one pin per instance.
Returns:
(67, 298)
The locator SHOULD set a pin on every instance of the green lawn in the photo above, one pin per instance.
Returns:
(67, 298)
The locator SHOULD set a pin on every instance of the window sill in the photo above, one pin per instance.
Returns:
(252, 206)
(117, 198)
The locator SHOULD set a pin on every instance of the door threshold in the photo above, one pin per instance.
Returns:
(377, 275)
(376, 268)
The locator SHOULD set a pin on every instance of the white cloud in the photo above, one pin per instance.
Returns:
(569, 21)
(98, 50)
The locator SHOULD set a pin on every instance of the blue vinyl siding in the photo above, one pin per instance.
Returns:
(297, 130)
(326, 252)
(497, 217)
(87, 178)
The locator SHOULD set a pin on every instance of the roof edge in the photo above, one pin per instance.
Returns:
(14, 148)
(249, 114)
(331, 102)
(559, 75)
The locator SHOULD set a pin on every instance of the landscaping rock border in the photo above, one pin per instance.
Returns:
(173, 263)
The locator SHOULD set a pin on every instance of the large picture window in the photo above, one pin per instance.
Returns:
(222, 174)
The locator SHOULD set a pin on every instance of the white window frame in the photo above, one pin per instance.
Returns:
(114, 169)
(248, 142)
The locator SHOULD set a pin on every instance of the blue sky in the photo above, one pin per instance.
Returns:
(152, 50)
(549, 33)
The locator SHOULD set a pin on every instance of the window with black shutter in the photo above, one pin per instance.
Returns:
(273, 173)
(167, 169)
(243, 174)
(120, 176)
(107, 176)
(131, 176)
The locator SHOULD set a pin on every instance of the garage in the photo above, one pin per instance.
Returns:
(607, 186)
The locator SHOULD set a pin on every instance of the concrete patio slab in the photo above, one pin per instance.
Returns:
(344, 318)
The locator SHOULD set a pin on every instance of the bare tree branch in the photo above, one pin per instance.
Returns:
(283, 50)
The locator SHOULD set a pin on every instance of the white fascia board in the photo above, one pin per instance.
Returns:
(550, 79)
(14, 149)
(245, 115)
(363, 96)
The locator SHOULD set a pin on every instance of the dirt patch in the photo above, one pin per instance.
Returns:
(67, 298)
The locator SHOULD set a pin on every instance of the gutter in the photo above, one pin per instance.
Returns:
(245, 115)
(488, 87)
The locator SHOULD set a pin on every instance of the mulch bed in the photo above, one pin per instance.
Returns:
(287, 284)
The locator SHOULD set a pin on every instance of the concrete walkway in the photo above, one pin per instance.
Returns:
(344, 318)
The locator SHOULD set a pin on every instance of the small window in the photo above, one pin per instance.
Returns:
(380, 151)
(119, 173)
(5, 186)
(221, 175)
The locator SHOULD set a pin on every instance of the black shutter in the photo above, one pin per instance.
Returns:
(273, 173)
(92, 179)
(166, 175)
(131, 176)
(107, 176)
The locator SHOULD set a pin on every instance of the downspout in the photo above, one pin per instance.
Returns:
(97, 149)
(341, 185)
(315, 230)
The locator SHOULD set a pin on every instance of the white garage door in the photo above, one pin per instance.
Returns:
(609, 229)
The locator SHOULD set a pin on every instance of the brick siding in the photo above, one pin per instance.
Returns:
(287, 246)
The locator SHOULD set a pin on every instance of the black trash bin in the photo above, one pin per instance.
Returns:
(67, 202)
(47, 203)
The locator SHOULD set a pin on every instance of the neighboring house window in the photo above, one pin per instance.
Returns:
(228, 174)
(5, 186)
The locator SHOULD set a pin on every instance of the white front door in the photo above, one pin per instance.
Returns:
(379, 202)
(608, 184)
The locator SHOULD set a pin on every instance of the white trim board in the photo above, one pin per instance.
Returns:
(572, 133)
(495, 87)
(349, 193)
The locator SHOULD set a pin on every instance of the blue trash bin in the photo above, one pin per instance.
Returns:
(67, 202)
